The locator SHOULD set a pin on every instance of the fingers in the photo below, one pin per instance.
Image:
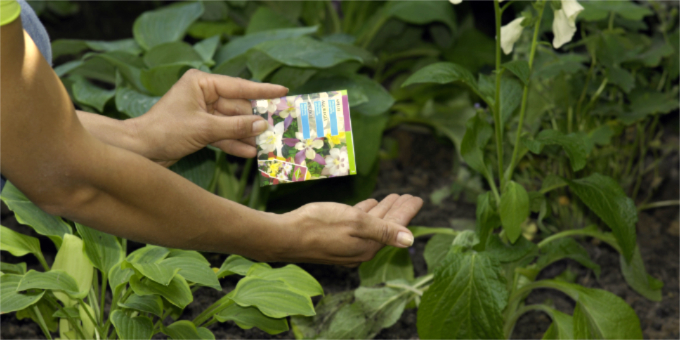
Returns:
(232, 107)
(385, 232)
(384, 206)
(230, 87)
(366, 205)
(234, 127)
(404, 209)
(237, 148)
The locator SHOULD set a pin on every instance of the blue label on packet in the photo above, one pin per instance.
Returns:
(318, 115)
(334, 119)
(304, 115)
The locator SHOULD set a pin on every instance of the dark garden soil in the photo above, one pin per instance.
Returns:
(424, 165)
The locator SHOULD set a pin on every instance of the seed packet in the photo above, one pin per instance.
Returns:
(309, 137)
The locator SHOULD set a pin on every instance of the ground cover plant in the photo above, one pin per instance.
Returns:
(555, 127)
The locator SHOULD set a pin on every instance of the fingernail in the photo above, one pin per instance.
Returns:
(405, 239)
(259, 126)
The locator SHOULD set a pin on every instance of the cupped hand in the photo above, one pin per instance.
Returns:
(333, 233)
(201, 109)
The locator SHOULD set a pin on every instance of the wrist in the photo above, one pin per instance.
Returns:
(282, 236)
(135, 136)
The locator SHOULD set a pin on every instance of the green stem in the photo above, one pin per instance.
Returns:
(41, 322)
(217, 310)
(244, 178)
(641, 162)
(219, 160)
(160, 320)
(103, 298)
(596, 95)
(42, 261)
(525, 94)
(660, 204)
(334, 17)
(205, 315)
(72, 322)
(91, 317)
(587, 231)
(212, 321)
(497, 98)
(374, 30)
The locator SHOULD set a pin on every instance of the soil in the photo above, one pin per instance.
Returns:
(657, 237)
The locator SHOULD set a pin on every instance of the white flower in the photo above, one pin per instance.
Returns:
(510, 33)
(337, 162)
(455, 2)
(264, 106)
(288, 107)
(271, 139)
(564, 25)
(308, 145)
(284, 173)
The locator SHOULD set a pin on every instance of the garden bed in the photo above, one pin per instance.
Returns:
(424, 165)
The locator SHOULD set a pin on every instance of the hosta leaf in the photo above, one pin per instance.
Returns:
(207, 29)
(13, 268)
(390, 263)
(166, 24)
(566, 248)
(605, 197)
(91, 95)
(132, 102)
(103, 67)
(176, 292)
(160, 79)
(241, 45)
(194, 270)
(171, 53)
(466, 299)
(57, 280)
(273, 298)
(148, 303)
(444, 73)
(10, 299)
(72, 259)
(185, 329)
(366, 131)
(265, 19)
(292, 77)
(72, 46)
(233, 67)
(192, 254)
(234, 264)
(158, 272)
(249, 317)
(305, 52)
(138, 327)
(29, 214)
(514, 209)
(355, 92)
(477, 135)
(18, 244)
(199, 167)
(148, 254)
(102, 249)
(206, 48)
(637, 278)
(436, 249)
(294, 276)
(118, 277)
(261, 65)
(423, 12)
(67, 312)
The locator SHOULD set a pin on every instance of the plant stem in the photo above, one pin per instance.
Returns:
(42, 261)
(497, 98)
(205, 315)
(219, 160)
(92, 318)
(641, 160)
(658, 205)
(160, 320)
(374, 30)
(587, 231)
(72, 322)
(217, 310)
(334, 17)
(103, 298)
(525, 95)
(244, 179)
(41, 322)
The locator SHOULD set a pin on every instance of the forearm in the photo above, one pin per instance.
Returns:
(118, 133)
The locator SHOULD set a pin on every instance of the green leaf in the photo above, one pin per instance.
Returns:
(477, 135)
(233, 67)
(241, 45)
(234, 264)
(443, 73)
(175, 52)
(103, 67)
(379, 100)
(205, 333)
(118, 277)
(53, 280)
(355, 92)
(29, 214)
(102, 249)
(273, 298)
(637, 278)
(18, 244)
(292, 77)
(206, 29)
(422, 231)
(192, 254)
(573, 145)
(514, 209)
(134, 103)
(147, 304)
(10, 299)
(596, 10)
(326, 309)
(166, 24)
(73, 46)
(605, 197)
(519, 68)
(552, 182)
(249, 317)
(566, 248)
(510, 252)
(423, 12)
(185, 329)
(511, 97)
(305, 52)
(13, 268)
(91, 95)
(644, 102)
(138, 327)
(176, 292)
(198, 167)
(159, 272)
(466, 299)
(367, 132)
(72, 259)
(261, 65)
(295, 277)
(621, 77)
(487, 218)
(562, 327)
(390, 263)
(67, 312)
(265, 19)
(160, 79)
(206, 48)
(194, 270)
(148, 254)
(436, 250)
(599, 312)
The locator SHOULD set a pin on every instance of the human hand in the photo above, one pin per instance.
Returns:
(333, 233)
(201, 109)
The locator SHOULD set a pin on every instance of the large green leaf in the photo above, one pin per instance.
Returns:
(519, 68)
(58, 280)
(637, 278)
(466, 299)
(10, 299)
(158, 272)
(249, 317)
(514, 209)
(13, 268)
(241, 45)
(390, 263)
(45, 311)
(436, 250)
(148, 303)
(199, 167)
(72, 259)
(171, 53)
(273, 298)
(367, 132)
(185, 329)
(266, 19)
(566, 248)
(477, 135)
(29, 214)
(194, 270)
(138, 327)
(310, 327)
(62, 47)
(605, 197)
(573, 145)
(148, 254)
(18, 244)
(176, 292)
(365, 96)
(509, 252)
(86, 93)
(103, 249)
(305, 52)
(206, 49)
(103, 67)
(487, 218)
(134, 103)
(166, 24)
(295, 277)
(119, 277)
(423, 12)
(418, 231)
(599, 10)
(234, 264)
(160, 79)
(261, 64)
(562, 327)
(444, 73)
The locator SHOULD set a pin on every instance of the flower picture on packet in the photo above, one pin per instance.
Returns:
(309, 137)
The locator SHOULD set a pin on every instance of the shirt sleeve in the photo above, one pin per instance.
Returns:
(9, 11)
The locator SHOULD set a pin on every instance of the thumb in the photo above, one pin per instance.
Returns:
(236, 127)
(386, 232)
